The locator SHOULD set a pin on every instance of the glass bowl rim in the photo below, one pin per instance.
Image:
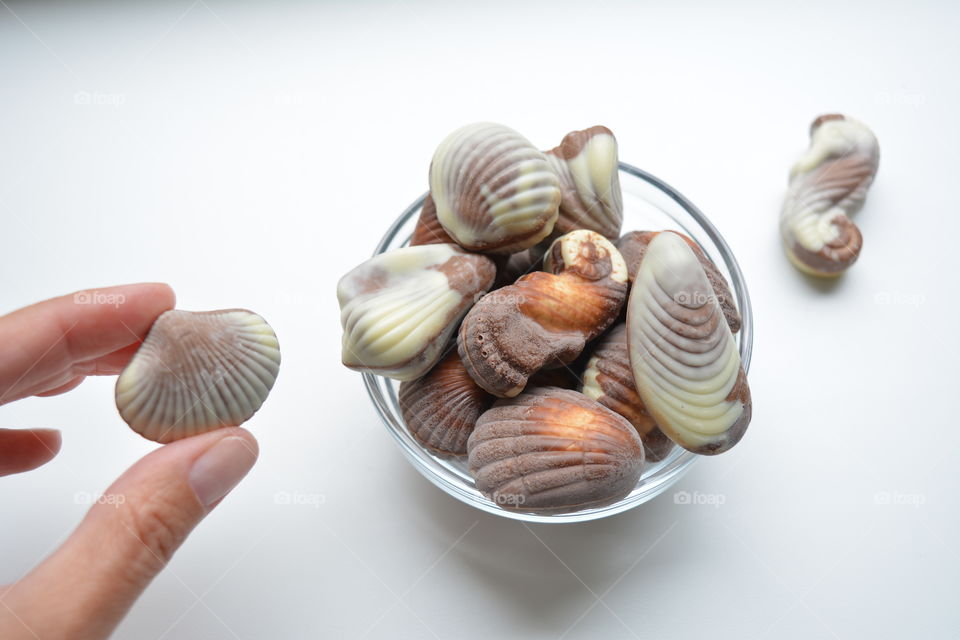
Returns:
(430, 467)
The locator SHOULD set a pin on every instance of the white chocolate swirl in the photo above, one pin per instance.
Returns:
(494, 191)
(827, 185)
(684, 358)
(587, 164)
(399, 308)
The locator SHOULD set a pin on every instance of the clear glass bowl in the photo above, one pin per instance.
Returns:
(648, 203)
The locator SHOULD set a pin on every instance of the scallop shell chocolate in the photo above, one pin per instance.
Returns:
(608, 379)
(554, 450)
(827, 185)
(545, 318)
(494, 191)
(198, 371)
(684, 359)
(632, 246)
(399, 308)
(586, 162)
(441, 408)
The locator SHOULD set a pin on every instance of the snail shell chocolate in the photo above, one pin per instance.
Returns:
(633, 245)
(399, 308)
(608, 379)
(428, 229)
(441, 408)
(554, 450)
(546, 317)
(685, 362)
(587, 164)
(198, 371)
(827, 185)
(494, 191)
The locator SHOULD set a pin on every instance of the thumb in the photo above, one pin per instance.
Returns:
(86, 587)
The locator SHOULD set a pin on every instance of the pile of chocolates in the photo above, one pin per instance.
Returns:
(532, 337)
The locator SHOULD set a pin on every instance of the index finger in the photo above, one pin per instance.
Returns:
(47, 339)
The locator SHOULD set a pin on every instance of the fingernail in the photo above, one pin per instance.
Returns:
(219, 470)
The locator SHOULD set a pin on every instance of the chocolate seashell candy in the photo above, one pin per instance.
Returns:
(494, 191)
(586, 162)
(399, 308)
(633, 245)
(684, 359)
(198, 371)
(546, 317)
(608, 379)
(441, 408)
(554, 450)
(827, 185)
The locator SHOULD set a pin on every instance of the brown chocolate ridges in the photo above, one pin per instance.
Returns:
(494, 191)
(544, 319)
(441, 408)
(428, 229)
(552, 450)
(633, 245)
(610, 360)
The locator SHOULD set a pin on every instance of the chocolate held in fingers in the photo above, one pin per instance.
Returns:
(198, 371)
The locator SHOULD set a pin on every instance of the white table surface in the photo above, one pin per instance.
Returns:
(250, 154)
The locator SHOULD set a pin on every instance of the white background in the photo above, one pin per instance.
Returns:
(249, 155)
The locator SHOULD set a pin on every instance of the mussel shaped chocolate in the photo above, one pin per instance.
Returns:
(494, 191)
(399, 308)
(827, 185)
(546, 317)
(441, 408)
(429, 229)
(587, 164)
(632, 246)
(554, 450)
(684, 359)
(198, 371)
(608, 379)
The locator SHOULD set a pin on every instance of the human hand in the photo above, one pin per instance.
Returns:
(86, 586)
